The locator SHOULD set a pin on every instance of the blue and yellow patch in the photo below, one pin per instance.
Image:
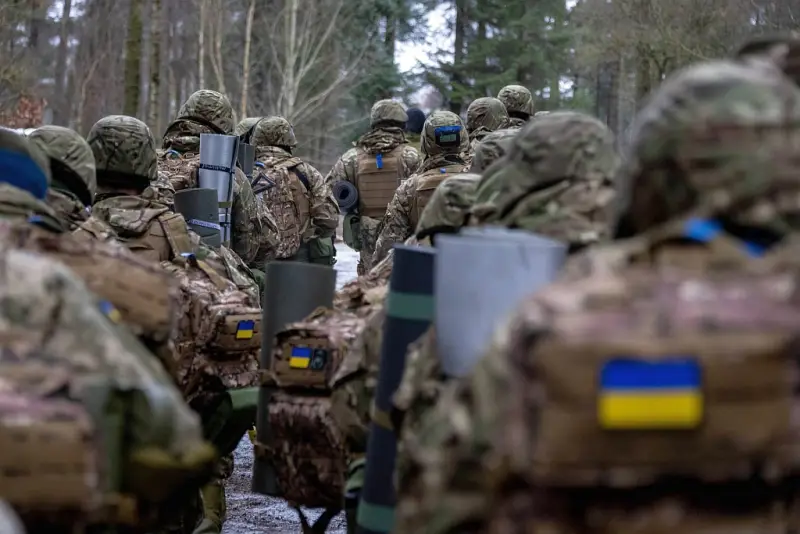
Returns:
(245, 329)
(640, 395)
(300, 358)
(110, 311)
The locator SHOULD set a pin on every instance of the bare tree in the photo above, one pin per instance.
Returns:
(248, 34)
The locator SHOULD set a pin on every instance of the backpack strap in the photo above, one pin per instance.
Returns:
(174, 226)
(293, 164)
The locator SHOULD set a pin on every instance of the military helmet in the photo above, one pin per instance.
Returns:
(387, 111)
(449, 206)
(210, 107)
(486, 113)
(491, 148)
(517, 100)
(719, 137)
(23, 164)
(71, 160)
(124, 151)
(273, 131)
(443, 134)
(245, 125)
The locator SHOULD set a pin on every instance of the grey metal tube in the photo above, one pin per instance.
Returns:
(292, 291)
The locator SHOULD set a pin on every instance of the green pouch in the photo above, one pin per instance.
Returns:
(351, 231)
(321, 251)
(232, 418)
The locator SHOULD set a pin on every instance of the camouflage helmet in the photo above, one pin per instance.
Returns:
(517, 100)
(245, 125)
(70, 158)
(387, 111)
(124, 151)
(782, 50)
(540, 114)
(23, 165)
(273, 131)
(448, 208)
(491, 148)
(441, 128)
(719, 138)
(555, 179)
(209, 106)
(486, 114)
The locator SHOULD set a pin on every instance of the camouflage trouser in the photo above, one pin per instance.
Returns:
(370, 228)
(214, 505)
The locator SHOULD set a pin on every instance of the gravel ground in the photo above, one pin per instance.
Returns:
(250, 513)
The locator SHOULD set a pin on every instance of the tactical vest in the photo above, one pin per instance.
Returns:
(377, 178)
(166, 237)
(287, 196)
(427, 182)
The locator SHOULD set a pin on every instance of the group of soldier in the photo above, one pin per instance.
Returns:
(124, 330)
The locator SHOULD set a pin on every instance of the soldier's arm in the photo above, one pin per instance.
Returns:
(324, 210)
(411, 161)
(396, 225)
(343, 169)
(247, 227)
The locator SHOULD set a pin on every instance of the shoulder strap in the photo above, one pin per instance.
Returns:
(175, 228)
(293, 164)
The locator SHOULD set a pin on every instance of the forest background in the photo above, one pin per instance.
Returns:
(322, 63)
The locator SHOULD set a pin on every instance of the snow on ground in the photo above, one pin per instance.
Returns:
(251, 513)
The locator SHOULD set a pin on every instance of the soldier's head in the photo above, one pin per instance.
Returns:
(125, 154)
(448, 208)
(387, 114)
(416, 120)
(443, 134)
(205, 111)
(517, 100)
(782, 50)
(486, 114)
(718, 139)
(555, 179)
(274, 131)
(491, 148)
(245, 126)
(71, 161)
(23, 165)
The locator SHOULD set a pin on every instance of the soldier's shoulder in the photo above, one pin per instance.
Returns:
(607, 258)
(349, 156)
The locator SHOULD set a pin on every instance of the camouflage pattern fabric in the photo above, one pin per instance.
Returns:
(518, 101)
(253, 229)
(274, 131)
(556, 180)
(399, 223)
(387, 111)
(74, 181)
(484, 115)
(782, 50)
(449, 206)
(703, 117)
(491, 148)
(123, 145)
(380, 139)
(541, 113)
(244, 125)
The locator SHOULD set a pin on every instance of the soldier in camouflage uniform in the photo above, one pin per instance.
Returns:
(677, 169)
(519, 104)
(493, 147)
(484, 115)
(380, 161)
(245, 125)
(296, 194)
(253, 229)
(442, 144)
(72, 191)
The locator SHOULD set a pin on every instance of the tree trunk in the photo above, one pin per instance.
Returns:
(248, 34)
(155, 64)
(161, 102)
(144, 64)
(133, 56)
(459, 53)
(201, 47)
(60, 111)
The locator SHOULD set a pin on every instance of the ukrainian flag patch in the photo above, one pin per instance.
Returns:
(244, 329)
(644, 395)
(300, 358)
(110, 311)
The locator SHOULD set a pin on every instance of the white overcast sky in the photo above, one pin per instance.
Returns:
(409, 54)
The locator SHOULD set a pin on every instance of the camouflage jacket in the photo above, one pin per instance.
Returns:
(70, 210)
(253, 229)
(447, 477)
(323, 208)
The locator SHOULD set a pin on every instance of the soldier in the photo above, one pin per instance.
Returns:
(253, 230)
(380, 161)
(414, 126)
(484, 115)
(782, 50)
(518, 102)
(680, 177)
(560, 185)
(442, 145)
(245, 126)
(295, 193)
(72, 191)
(493, 147)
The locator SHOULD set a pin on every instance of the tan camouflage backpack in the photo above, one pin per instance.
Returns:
(653, 400)
(285, 194)
(426, 184)
(307, 447)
